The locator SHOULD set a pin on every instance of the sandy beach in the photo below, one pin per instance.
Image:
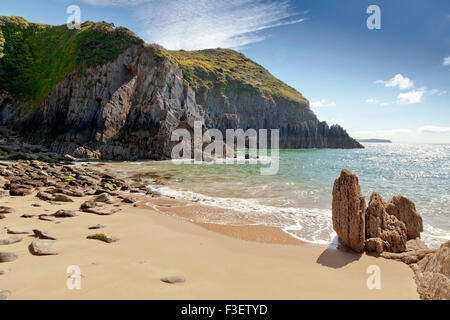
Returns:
(217, 262)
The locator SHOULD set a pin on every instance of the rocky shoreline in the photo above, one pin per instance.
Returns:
(390, 230)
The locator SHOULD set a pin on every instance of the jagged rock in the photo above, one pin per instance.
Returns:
(65, 214)
(121, 117)
(348, 211)
(10, 240)
(173, 279)
(405, 210)
(432, 274)
(7, 257)
(42, 247)
(103, 237)
(6, 210)
(381, 225)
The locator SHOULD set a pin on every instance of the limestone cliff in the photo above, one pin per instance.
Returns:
(123, 102)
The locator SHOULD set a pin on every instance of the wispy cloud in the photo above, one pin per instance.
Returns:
(323, 103)
(371, 101)
(397, 81)
(410, 97)
(446, 61)
(437, 92)
(433, 129)
(201, 24)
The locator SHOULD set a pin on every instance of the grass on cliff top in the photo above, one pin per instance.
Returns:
(35, 57)
(213, 67)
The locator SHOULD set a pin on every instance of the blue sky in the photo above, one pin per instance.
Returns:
(388, 83)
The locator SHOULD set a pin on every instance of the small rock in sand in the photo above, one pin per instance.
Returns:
(10, 240)
(4, 294)
(129, 200)
(45, 196)
(42, 247)
(36, 205)
(58, 197)
(4, 271)
(104, 197)
(65, 213)
(45, 217)
(6, 210)
(18, 231)
(173, 279)
(101, 213)
(42, 235)
(2, 216)
(103, 237)
(27, 216)
(7, 257)
(98, 226)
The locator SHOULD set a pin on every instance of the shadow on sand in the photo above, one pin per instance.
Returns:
(337, 256)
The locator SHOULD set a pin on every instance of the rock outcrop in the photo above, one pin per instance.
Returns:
(128, 107)
(405, 210)
(384, 232)
(348, 211)
(381, 227)
(432, 274)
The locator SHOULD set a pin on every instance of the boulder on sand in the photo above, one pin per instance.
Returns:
(383, 231)
(405, 210)
(42, 247)
(348, 211)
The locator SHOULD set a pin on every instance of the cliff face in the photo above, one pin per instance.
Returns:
(125, 105)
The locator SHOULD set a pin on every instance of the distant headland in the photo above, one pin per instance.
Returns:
(374, 140)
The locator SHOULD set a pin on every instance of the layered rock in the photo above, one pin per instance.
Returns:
(348, 211)
(384, 232)
(127, 108)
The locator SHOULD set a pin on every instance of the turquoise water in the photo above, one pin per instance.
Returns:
(298, 198)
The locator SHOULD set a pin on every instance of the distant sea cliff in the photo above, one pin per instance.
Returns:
(101, 92)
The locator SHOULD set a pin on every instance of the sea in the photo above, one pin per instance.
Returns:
(298, 198)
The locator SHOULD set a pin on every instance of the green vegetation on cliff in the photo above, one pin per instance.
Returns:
(220, 67)
(35, 57)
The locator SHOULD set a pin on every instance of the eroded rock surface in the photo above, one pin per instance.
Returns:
(384, 232)
(348, 211)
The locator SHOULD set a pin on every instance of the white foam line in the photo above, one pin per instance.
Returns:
(308, 225)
